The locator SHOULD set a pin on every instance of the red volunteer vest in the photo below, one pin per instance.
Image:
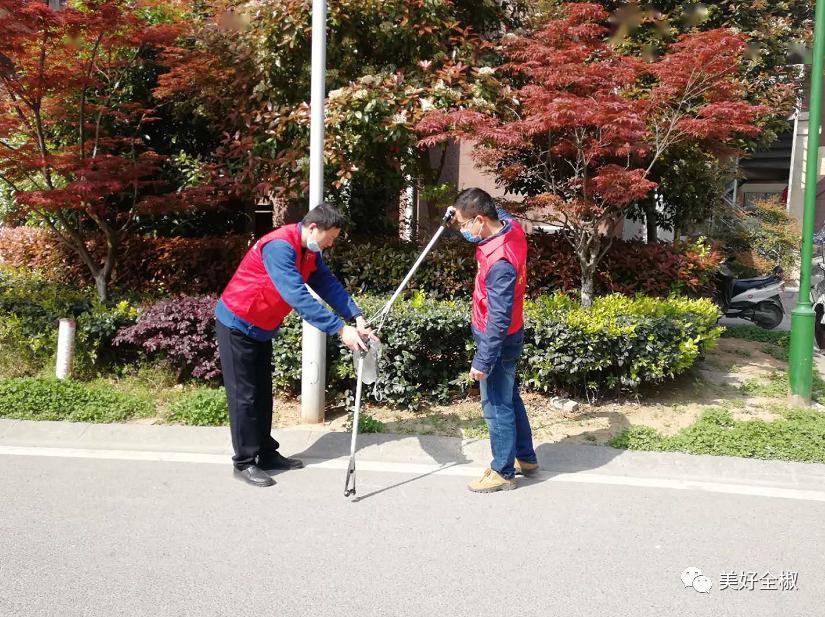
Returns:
(250, 293)
(511, 247)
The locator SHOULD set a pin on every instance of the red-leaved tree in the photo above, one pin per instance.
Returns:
(71, 132)
(579, 126)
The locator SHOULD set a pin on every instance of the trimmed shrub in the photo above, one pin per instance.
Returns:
(200, 407)
(424, 353)
(50, 399)
(618, 344)
(181, 330)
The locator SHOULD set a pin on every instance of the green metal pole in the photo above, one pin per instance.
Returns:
(802, 317)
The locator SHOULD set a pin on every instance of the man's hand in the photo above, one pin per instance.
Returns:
(352, 338)
(477, 375)
(363, 328)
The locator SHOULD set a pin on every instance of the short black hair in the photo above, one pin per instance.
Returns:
(325, 216)
(475, 201)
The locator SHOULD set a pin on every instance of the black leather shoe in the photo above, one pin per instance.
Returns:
(278, 462)
(254, 475)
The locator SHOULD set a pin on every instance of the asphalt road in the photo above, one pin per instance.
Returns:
(97, 537)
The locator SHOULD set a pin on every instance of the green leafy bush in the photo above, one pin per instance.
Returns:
(379, 266)
(425, 352)
(50, 399)
(30, 308)
(18, 358)
(619, 343)
(200, 407)
(96, 330)
(366, 423)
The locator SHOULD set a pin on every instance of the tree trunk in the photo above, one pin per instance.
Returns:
(102, 286)
(588, 287)
(651, 224)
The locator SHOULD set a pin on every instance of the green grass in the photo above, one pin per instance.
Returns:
(799, 435)
(753, 333)
(776, 345)
(148, 390)
(777, 386)
(477, 429)
(30, 398)
(200, 407)
(366, 423)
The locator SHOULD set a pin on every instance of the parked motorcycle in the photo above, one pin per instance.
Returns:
(755, 299)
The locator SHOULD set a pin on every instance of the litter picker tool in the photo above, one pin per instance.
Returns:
(366, 362)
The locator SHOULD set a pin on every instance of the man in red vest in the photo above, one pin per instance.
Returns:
(270, 282)
(498, 329)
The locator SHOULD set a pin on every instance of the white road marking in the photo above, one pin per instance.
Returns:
(425, 469)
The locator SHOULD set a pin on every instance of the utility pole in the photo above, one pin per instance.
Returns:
(314, 342)
(802, 317)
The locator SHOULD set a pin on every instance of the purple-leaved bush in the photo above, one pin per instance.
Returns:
(181, 330)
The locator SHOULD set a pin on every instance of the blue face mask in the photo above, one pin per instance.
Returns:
(470, 237)
(312, 244)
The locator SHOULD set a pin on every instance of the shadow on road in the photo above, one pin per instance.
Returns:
(566, 456)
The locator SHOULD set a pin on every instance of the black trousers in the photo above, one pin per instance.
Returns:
(247, 377)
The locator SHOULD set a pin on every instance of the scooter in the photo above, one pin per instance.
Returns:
(755, 299)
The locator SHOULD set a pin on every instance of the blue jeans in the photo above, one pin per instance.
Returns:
(504, 412)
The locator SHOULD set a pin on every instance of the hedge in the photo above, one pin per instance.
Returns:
(618, 344)
(204, 265)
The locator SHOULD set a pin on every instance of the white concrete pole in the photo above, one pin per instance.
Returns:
(65, 348)
(313, 363)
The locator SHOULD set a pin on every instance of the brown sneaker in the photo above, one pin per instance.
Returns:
(491, 482)
(526, 469)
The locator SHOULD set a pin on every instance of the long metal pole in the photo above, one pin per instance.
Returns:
(448, 216)
(802, 318)
(313, 363)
